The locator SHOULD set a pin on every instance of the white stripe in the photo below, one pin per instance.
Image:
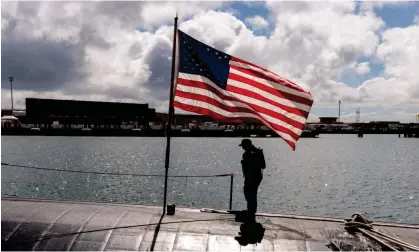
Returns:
(267, 95)
(268, 83)
(268, 73)
(269, 106)
(224, 113)
(205, 92)
(200, 78)
(249, 99)
(246, 99)
(209, 94)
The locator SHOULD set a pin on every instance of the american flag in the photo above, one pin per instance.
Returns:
(213, 83)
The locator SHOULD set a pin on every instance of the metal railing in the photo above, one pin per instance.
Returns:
(231, 175)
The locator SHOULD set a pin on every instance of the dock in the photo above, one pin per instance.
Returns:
(29, 225)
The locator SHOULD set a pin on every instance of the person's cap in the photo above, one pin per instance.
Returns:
(245, 142)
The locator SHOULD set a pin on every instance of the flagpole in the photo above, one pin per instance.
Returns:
(170, 115)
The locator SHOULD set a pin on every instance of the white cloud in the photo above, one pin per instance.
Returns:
(167, 11)
(313, 43)
(257, 22)
(363, 68)
(318, 41)
(366, 6)
(400, 116)
(401, 58)
(313, 118)
(358, 68)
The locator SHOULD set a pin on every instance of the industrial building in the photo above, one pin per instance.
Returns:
(329, 120)
(87, 113)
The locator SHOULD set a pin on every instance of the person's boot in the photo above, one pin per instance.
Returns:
(251, 218)
(241, 216)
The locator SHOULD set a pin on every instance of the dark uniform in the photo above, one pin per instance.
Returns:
(252, 173)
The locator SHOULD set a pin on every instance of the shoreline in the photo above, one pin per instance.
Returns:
(144, 133)
(191, 133)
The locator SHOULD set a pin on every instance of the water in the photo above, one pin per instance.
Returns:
(335, 175)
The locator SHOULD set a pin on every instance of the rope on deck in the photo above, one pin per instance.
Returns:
(364, 226)
(115, 173)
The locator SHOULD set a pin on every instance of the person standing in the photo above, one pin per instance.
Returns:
(253, 162)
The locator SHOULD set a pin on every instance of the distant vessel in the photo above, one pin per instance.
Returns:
(155, 126)
(177, 127)
(211, 126)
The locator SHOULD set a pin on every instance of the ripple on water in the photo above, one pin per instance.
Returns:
(335, 175)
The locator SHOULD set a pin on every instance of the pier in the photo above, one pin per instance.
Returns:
(29, 224)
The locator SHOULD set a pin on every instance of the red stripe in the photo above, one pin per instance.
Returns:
(257, 96)
(203, 85)
(198, 97)
(204, 111)
(264, 76)
(213, 114)
(271, 90)
(266, 111)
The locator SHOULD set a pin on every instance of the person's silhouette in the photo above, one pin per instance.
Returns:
(252, 162)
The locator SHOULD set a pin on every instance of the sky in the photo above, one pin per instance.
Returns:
(365, 54)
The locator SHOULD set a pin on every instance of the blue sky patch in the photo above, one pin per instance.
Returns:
(355, 80)
(249, 9)
(398, 16)
(245, 10)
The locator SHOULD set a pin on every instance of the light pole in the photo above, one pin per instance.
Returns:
(11, 90)
(339, 111)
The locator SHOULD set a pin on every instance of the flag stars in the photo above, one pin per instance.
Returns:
(203, 60)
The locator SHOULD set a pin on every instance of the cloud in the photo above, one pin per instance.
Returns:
(185, 9)
(400, 116)
(40, 65)
(367, 6)
(363, 68)
(86, 50)
(257, 22)
(318, 41)
(401, 58)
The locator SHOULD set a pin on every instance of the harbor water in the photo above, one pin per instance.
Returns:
(333, 176)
